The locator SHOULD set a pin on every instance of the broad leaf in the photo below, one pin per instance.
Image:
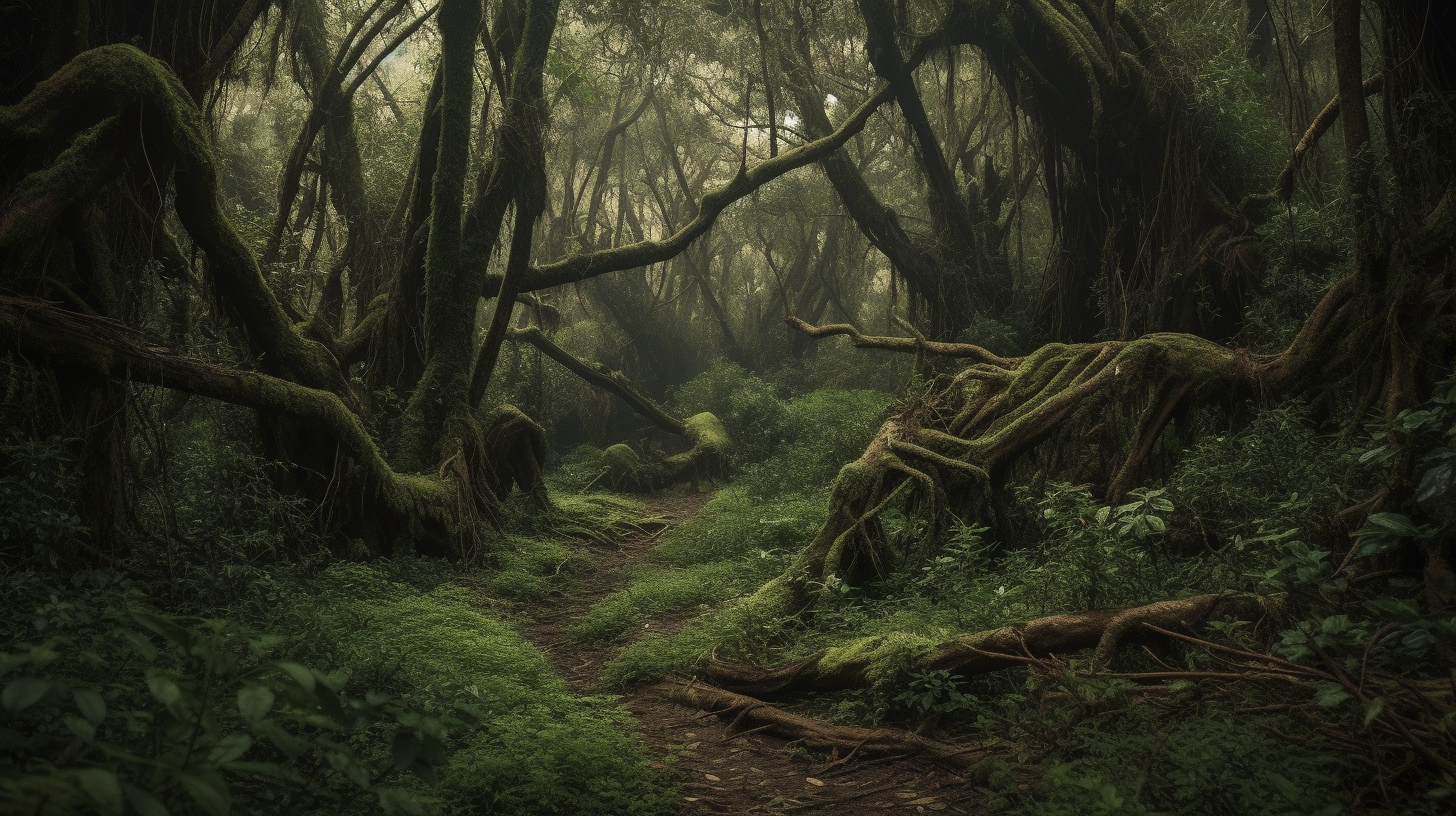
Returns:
(22, 693)
(90, 704)
(104, 789)
(254, 702)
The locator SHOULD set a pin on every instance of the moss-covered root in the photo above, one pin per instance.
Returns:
(748, 713)
(876, 661)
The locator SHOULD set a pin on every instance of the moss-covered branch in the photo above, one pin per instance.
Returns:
(113, 350)
(880, 659)
(110, 80)
(756, 715)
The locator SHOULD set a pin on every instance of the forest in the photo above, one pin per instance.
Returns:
(727, 406)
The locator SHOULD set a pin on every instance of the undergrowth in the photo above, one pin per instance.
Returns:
(1245, 511)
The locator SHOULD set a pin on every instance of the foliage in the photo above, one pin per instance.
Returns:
(1136, 760)
(109, 703)
(1276, 471)
(115, 702)
(37, 481)
(746, 533)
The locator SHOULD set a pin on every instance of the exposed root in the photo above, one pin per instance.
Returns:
(748, 713)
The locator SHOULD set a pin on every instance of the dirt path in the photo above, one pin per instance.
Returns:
(719, 769)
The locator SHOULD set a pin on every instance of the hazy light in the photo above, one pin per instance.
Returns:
(790, 120)
(830, 100)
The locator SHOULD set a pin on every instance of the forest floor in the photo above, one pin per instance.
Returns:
(718, 768)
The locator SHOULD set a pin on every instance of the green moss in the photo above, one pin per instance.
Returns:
(884, 658)
(624, 467)
(708, 433)
(538, 749)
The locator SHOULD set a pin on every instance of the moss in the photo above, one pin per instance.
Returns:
(538, 749)
(881, 660)
(624, 467)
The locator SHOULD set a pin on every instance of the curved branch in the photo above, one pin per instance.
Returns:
(112, 349)
(576, 268)
(109, 80)
(814, 733)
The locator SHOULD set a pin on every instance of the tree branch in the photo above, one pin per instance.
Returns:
(576, 268)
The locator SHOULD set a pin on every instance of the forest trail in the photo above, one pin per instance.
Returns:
(720, 769)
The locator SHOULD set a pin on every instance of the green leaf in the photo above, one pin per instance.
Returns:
(22, 693)
(208, 790)
(9, 661)
(140, 644)
(168, 629)
(104, 789)
(80, 727)
(1103, 514)
(90, 704)
(1373, 709)
(1401, 610)
(290, 745)
(1329, 695)
(300, 674)
(143, 802)
(1285, 787)
(1157, 524)
(1335, 624)
(230, 748)
(254, 702)
(1394, 523)
(169, 694)
(1434, 482)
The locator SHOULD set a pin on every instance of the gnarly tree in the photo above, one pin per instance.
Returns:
(944, 454)
(113, 116)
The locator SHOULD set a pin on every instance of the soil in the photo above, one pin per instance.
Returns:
(718, 768)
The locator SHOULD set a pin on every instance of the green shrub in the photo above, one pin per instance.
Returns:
(1133, 761)
(37, 516)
